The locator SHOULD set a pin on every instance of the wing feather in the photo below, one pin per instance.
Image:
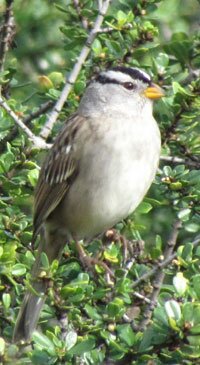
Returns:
(57, 173)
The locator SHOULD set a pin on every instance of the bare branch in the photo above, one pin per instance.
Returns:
(82, 18)
(76, 69)
(160, 275)
(161, 265)
(41, 110)
(100, 4)
(142, 297)
(177, 160)
(7, 30)
(14, 132)
(111, 29)
(38, 142)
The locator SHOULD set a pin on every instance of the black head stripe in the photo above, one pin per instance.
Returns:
(103, 79)
(135, 73)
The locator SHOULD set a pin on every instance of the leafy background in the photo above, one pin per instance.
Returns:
(88, 319)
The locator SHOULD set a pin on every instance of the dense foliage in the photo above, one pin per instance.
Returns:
(89, 318)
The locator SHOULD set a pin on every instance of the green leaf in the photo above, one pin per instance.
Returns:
(116, 308)
(177, 88)
(6, 162)
(184, 214)
(2, 346)
(33, 176)
(167, 171)
(188, 312)
(186, 253)
(180, 283)
(126, 334)
(180, 47)
(144, 208)
(92, 312)
(195, 330)
(71, 339)
(43, 342)
(196, 284)
(194, 340)
(111, 253)
(6, 299)
(84, 346)
(97, 47)
(156, 250)
(173, 309)
(19, 269)
(1, 251)
(162, 60)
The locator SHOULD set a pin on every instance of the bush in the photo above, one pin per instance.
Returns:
(149, 312)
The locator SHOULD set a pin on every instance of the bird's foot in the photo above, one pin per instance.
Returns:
(131, 249)
(89, 262)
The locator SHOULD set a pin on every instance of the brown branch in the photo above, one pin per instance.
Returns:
(160, 275)
(7, 32)
(161, 265)
(41, 110)
(114, 29)
(179, 160)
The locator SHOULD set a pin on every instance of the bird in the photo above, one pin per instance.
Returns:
(97, 172)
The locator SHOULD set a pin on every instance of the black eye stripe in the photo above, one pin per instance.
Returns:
(134, 73)
(102, 79)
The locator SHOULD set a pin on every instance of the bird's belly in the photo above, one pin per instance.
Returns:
(107, 195)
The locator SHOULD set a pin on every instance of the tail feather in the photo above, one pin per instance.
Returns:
(52, 244)
(29, 312)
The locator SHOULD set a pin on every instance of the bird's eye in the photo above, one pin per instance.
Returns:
(129, 85)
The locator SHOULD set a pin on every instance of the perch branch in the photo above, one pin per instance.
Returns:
(74, 73)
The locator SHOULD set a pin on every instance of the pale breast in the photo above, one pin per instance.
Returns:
(116, 172)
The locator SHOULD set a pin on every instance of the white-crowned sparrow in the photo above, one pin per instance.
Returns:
(100, 167)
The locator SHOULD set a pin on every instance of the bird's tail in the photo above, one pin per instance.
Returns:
(35, 296)
(29, 312)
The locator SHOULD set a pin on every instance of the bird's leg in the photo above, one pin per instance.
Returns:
(88, 262)
(114, 236)
(131, 248)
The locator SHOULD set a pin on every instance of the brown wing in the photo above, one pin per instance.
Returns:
(57, 173)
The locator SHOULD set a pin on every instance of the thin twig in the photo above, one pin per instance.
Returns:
(41, 110)
(112, 29)
(100, 4)
(38, 142)
(6, 33)
(177, 160)
(160, 275)
(14, 132)
(76, 69)
(161, 265)
(142, 297)
(81, 17)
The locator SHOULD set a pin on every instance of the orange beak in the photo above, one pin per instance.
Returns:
(153, 92)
